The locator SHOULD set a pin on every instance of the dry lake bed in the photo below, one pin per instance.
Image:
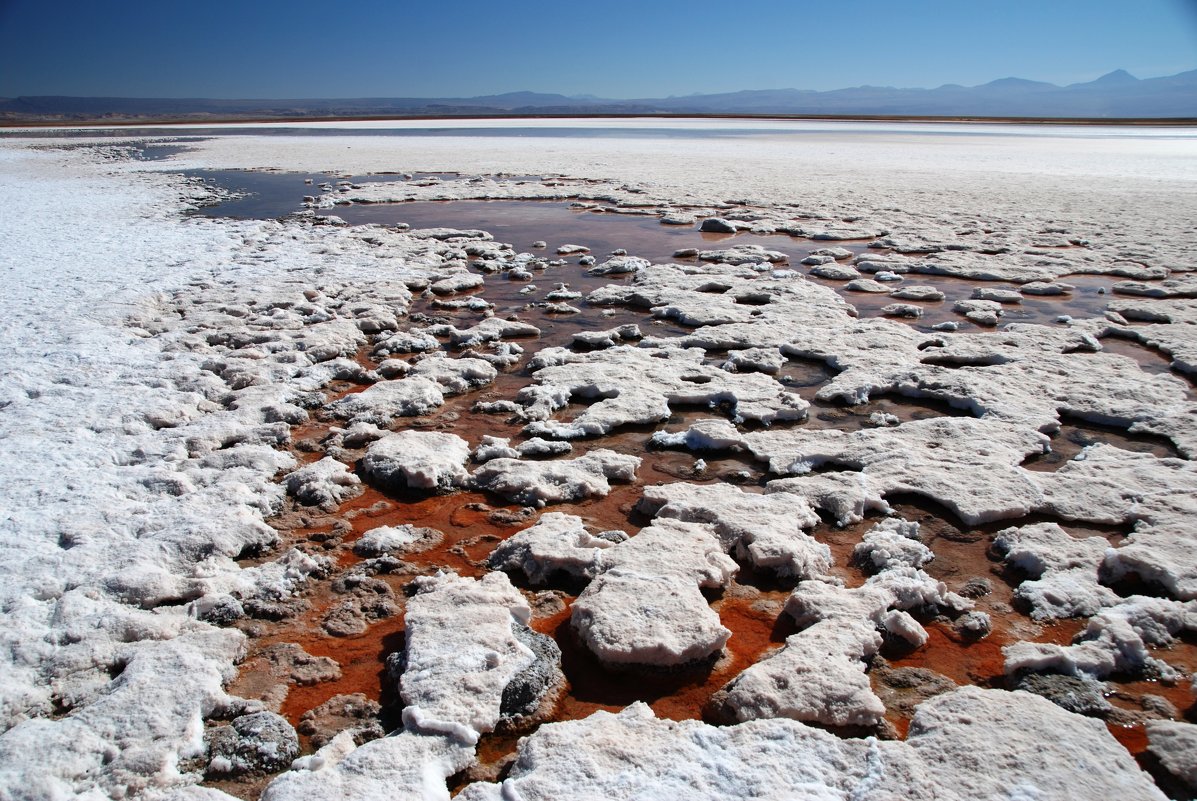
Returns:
(599, 459)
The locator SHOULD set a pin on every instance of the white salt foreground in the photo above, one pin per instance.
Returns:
(152, 365)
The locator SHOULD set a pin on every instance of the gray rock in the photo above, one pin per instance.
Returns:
(262, 742)
(718, 225)
(1083, 696)
(528, 688)
(354, 713)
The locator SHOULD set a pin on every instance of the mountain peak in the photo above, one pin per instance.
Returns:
(1117, 76)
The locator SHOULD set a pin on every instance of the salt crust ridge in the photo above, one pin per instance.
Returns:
(991, 743)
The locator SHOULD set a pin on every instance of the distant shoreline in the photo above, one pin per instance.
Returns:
(1162, 122)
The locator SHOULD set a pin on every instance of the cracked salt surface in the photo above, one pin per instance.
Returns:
(266, 449)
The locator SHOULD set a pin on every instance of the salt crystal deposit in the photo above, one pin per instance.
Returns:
(257, 467)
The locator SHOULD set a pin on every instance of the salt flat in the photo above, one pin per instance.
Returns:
(163, 373)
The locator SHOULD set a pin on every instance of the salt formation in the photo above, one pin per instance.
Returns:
(158, 367)
(819, 674)
(558, 480)
(326, 483)
(645, 607)
(1062, 571)
(462, 654)
(557, 543)
(767, 530)
(428, 460)
(969, 743)
(637, 385)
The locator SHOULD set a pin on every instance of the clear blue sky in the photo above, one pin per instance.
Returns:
(610, 48)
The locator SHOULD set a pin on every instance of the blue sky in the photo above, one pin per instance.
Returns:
(610, 48)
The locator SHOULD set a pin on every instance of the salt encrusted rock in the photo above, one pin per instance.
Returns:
(404, 765)
(997, 295)
(619, 265)
(1174, 744)
(1062, 571)
(833, 252)
(443, 233)
(814, 261)
(997, 744)
(637, 385)
(817, 677)
(609, 338)
(947, 325)
(353, 713)
(679, 219)
(490, 329)
(892, 543)
(895, 589)
(887, 276)
(835, 272)
(917, 293)
(405, 342)
(396, 539)
(866, 285)
(756, 360)
(981, 312)
(1046, 288)
(330, 340)
(418, 460)
(902, 310)
(767, 530)
(884, 420)
(386, 400)
(556, 543)
(557, 481)
(1161, 505)
(645, 608)
(718, 225)
(973, 625)
(563, 292)
(875, 263)
(325, 483)
(743, 254)
(1182, 287)
(938, 458)
(458, 282)
(494, 448)
(455, 376)
(262, 742)
(571, 250)
(461, 654)
(1115, 640)
(536, 446)
(632, 754)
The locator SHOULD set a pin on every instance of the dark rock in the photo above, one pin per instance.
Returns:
(1083, 696)
(717, 225)
(262, 742)
(528, 687)
(354, 712)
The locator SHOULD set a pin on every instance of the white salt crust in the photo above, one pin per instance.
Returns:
(154, 363)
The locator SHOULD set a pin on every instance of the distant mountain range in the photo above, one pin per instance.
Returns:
(1117, 95)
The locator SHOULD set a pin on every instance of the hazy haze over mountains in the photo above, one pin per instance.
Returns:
(1117, 94)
